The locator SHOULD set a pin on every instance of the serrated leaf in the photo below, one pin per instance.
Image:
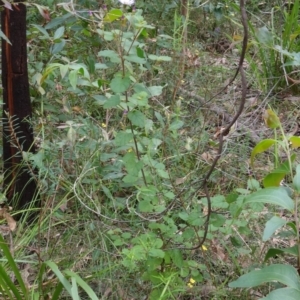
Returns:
(113, 101)
(123, 138)
(156, 253)
(262, 146)
(120, 84)
(284, 274)
(155, 90)
(271, 226)
(145, 206)
(137, 118)
(275, 195)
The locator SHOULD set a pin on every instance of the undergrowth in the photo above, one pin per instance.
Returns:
(127, 129)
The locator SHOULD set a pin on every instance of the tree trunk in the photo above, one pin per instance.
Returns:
(20, 186)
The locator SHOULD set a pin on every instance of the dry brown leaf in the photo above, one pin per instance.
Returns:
(12, 224)
(180, 180)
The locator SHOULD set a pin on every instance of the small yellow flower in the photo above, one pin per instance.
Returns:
(192, 280)
(103, 125)
(189, 285)
(204, 248)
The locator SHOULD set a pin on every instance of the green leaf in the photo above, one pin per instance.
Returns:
(273, 179)
(262, 146)
(83, 285)
(275, 195)
(272, 225)
(159, 58)
(264, 36)
(135, 59)
(63, 280)
(123, 138)
(137, 118)
(175, 125)
(113, 15)
(296, 179)
(155, 90)
(73, 77)
(57, 47)
(15, 270)
(59, 32)
(156, 253)
(283, 294)
(133, 167)
(120, 84)
(113, 101)
(145, 206)
(273, 252)
(284, 274)
(108, 53)
(176, 256)
(3, 36)
(295, 141)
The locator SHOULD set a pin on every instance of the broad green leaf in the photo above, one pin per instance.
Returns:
(59, 32)
(123, 138)
(296, 179)
(264, 36)
(135, 59)
(284, 274)
(156, 253)
(274, 252)
(137, 118)
(271, 226)
(145, 206)
(283, 294)
(176, 256)
(295, 141)
(132, 166)
(274, 195)
(273, 179)
(73, 77)
(113, 15)
(108, 53)
(276, 176)
(262, 146)
(63, 70)
(113, 101)
(155, 90)
(175, 125)
(120, 84)
(159, 58)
